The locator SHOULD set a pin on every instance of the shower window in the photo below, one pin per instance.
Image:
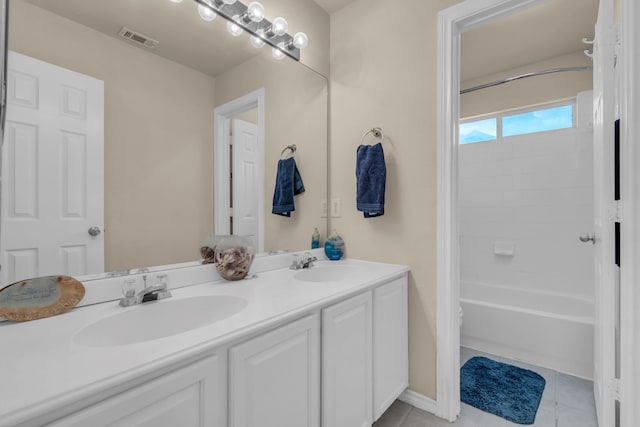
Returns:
(538, 121)
(497, 126)
(479, 131)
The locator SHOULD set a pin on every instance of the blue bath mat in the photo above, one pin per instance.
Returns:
(504, 390)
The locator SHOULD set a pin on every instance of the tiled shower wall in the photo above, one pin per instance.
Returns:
(531, 195)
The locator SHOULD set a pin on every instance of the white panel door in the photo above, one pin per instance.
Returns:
(603, 162)
(52, 172)
(247, 177)
(390, 344)
(274, 379)
(347, 363)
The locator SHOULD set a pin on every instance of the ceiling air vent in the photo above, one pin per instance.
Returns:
(138, 38)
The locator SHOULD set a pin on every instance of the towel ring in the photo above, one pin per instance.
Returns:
(377, 132)
(292, 147)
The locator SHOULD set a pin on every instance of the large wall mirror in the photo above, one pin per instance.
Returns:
(146, 195)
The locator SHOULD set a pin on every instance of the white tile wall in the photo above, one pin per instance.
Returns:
(535, 191)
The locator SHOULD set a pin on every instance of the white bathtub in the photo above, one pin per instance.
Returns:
(550, 330)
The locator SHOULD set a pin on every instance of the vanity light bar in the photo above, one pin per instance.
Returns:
(262, 30)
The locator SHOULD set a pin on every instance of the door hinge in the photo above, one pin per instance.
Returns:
(617, 45)
(615, 29)
(230, 212)
(614, 211)
(614, 388)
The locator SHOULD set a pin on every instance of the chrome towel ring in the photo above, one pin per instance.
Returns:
(377, 132)
(292, 147)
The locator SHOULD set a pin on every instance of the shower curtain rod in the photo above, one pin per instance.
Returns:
(524, 76)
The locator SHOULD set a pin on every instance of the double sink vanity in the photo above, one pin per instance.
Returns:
(323, 346)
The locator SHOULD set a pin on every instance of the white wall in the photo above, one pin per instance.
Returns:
(383, 73)
(534, 191)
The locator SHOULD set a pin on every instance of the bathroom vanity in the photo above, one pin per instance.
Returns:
(325, 346)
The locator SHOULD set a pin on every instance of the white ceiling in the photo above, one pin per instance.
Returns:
(331, 6)
(547, 31)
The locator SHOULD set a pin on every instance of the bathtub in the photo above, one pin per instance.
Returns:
(545, 329)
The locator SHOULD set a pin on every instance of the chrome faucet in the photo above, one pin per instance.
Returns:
(149, 293)
(306, 261)
(153, 293)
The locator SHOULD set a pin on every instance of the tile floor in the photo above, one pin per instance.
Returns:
(566, 402)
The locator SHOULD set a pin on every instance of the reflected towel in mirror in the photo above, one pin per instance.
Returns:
(371, 177)
(288, 184)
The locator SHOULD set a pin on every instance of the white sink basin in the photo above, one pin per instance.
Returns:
(153, 320)
(335, 273)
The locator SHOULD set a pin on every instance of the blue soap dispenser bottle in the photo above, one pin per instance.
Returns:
(315, 239)
(334, 246)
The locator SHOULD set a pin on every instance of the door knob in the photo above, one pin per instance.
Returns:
(94, 231)
(586, 238)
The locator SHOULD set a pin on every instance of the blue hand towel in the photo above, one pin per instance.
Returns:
(288, 184)
(371, 176)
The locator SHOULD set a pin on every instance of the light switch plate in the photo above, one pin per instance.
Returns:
(323, 208)
(336, 208)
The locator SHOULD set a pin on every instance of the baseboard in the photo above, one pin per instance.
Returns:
(418, 400)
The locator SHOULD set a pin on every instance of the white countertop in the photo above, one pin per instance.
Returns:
(42, 368)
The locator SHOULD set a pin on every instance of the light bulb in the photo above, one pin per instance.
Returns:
(233, 28)
(300, 40)
(257, 41)
(206, 13)
(279, 26)
(255, 11)
(278, 53)
(176, 1)
(229, 1)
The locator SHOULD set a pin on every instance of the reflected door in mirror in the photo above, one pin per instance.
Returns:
(246, 179)
(52, 172)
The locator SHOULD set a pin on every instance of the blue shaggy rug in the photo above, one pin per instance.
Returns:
(504, 390)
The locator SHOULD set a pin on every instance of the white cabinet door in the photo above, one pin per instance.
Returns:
(193, 396)
(346, 363)
(390, 344)
(274, 379)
